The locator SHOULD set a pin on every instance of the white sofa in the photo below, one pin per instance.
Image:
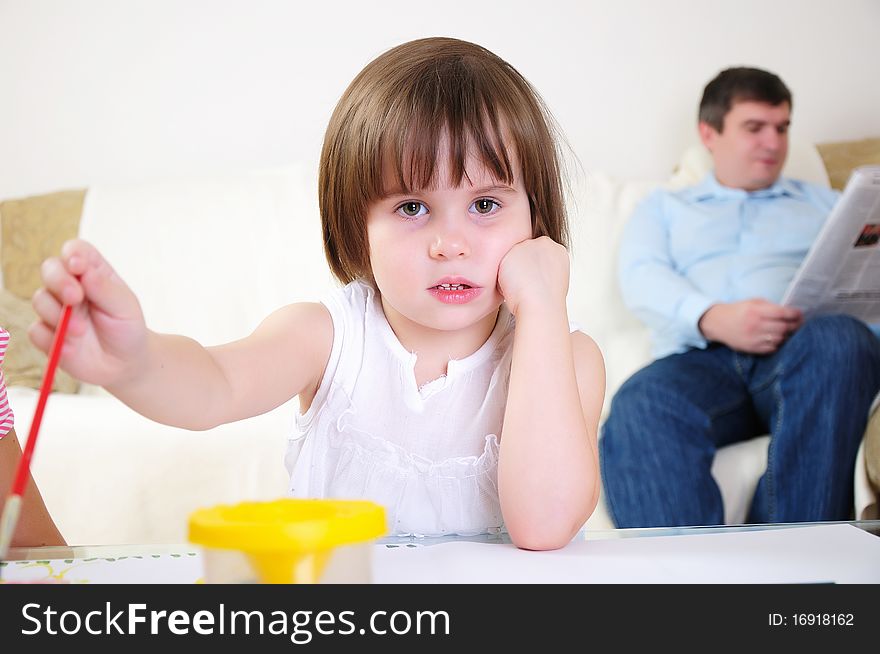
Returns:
(210, 258)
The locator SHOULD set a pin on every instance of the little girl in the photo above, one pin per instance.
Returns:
(443, 380)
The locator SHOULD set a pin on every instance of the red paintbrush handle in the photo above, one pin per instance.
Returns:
(24, 464)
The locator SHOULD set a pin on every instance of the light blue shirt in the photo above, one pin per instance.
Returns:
(683, 251)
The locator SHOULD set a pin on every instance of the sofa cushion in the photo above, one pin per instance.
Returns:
(871, 447)
(33, 229)
(841, 157)
(594, 300)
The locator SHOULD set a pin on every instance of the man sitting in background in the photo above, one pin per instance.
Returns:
(705, 268)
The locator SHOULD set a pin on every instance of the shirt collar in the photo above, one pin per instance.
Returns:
(709, 188)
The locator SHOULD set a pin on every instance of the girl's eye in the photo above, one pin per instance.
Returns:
(485, 206)
(411, 209)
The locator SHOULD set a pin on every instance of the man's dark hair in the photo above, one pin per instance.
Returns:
(740, 85)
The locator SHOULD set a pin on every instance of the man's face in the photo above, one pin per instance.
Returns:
(750, 150)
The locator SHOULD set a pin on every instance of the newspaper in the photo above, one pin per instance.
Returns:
(841, 272)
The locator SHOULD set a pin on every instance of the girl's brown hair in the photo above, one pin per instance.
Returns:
(393, 117)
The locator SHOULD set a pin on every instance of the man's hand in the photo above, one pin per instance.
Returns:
(753, 326)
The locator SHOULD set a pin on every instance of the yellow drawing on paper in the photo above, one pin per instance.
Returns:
(156, 568)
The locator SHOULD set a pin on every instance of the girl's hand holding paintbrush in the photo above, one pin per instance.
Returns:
(91, 324)
(107, 336)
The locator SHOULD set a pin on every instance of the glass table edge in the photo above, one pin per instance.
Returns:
(85, 551)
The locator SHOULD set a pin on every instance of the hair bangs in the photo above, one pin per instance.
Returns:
(436, 118)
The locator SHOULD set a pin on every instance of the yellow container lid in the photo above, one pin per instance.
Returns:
(293, 525)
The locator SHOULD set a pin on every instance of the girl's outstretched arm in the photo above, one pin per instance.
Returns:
(548, 473)
(173, 379)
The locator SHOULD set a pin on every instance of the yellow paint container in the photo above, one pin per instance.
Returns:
(288, 541)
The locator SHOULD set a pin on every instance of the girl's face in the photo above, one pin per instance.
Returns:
(435, 253)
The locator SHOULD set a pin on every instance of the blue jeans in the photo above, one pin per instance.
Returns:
(667, 421)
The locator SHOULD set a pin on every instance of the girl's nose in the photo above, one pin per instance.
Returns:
(447, 244)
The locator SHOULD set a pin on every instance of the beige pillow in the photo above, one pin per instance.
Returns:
(872, 448)
(840, 158)
(24, 364)
(33, 229)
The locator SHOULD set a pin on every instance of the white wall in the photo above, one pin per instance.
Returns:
(118, 90)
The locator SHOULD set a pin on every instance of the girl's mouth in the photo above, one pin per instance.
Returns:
(455, 293)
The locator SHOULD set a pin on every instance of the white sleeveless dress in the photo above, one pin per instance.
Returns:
(429, 455)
